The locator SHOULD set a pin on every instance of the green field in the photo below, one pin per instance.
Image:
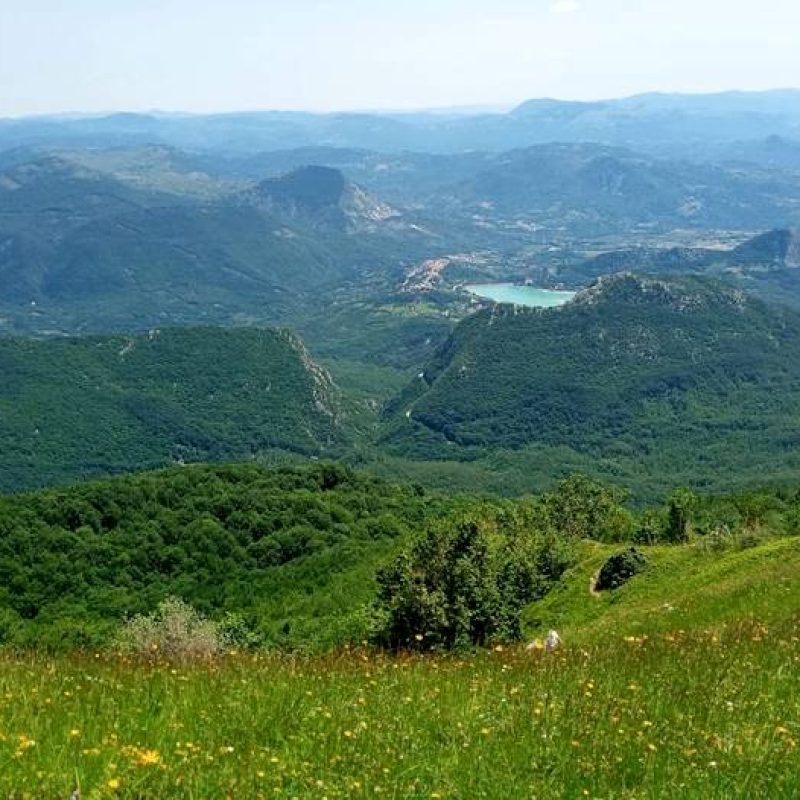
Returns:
(682, 683)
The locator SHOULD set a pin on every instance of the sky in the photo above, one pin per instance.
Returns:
(61, 56)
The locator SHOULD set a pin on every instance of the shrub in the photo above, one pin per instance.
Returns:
(718, 539)
(749, 539)
(650, 528)
(238, 631)
(174, 630)
(620, 568)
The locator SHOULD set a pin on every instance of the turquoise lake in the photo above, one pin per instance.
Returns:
(520, 295)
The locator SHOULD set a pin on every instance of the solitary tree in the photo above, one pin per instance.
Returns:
(464, 584)
(680, 510)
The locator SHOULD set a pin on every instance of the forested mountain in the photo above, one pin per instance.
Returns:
(576, 187)
(589, 189)
(766, 265)
(683, 379)
(778, 249)
(74, 407)
(359, 233)
(291, 552)
(121, 239)
(772, 152)
(84, 250)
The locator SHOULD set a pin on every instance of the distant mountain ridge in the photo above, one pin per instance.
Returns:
(82, 249)
(589, 188)
(643, 121)
(766, 264)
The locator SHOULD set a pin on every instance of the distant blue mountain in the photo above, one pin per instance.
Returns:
(647, 120)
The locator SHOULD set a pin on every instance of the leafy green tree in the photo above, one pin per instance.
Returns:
(649, 528)
(463, 584)
(755, 508)
(583, 508)
(251, 548)
(680, 514)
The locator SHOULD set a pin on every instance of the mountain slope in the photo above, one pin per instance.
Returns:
(688, 588)
(77, 407)
(778, 249)
(765, 265)
(291, 550)
(323, 199)
(675, 379)
(82, 251)
(588, 188)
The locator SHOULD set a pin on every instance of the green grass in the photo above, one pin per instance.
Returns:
(699, 702)
(700, 715)
(686, 588)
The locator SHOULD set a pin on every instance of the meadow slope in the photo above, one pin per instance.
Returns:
(642, 702)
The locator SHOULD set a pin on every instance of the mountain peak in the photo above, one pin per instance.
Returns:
(682, 294)
(778, 248)
(310, 187)
(323, 198)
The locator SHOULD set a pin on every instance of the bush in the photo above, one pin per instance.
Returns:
(238, 631)
(174, 630)
(718, 540)
(619, 569)
(650, 528)
(749, 539)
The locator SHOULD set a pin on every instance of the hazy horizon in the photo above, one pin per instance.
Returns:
(486, 108)
(198, 57)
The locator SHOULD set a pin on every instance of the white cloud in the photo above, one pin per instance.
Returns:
(565, 7)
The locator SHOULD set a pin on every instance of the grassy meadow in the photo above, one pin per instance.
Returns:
(683, 683)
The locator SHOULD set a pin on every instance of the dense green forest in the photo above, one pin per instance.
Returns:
(292, 552)
(645, 382)
(98, 405)
(316, 556)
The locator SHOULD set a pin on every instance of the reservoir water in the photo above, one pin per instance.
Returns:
(520, 295)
